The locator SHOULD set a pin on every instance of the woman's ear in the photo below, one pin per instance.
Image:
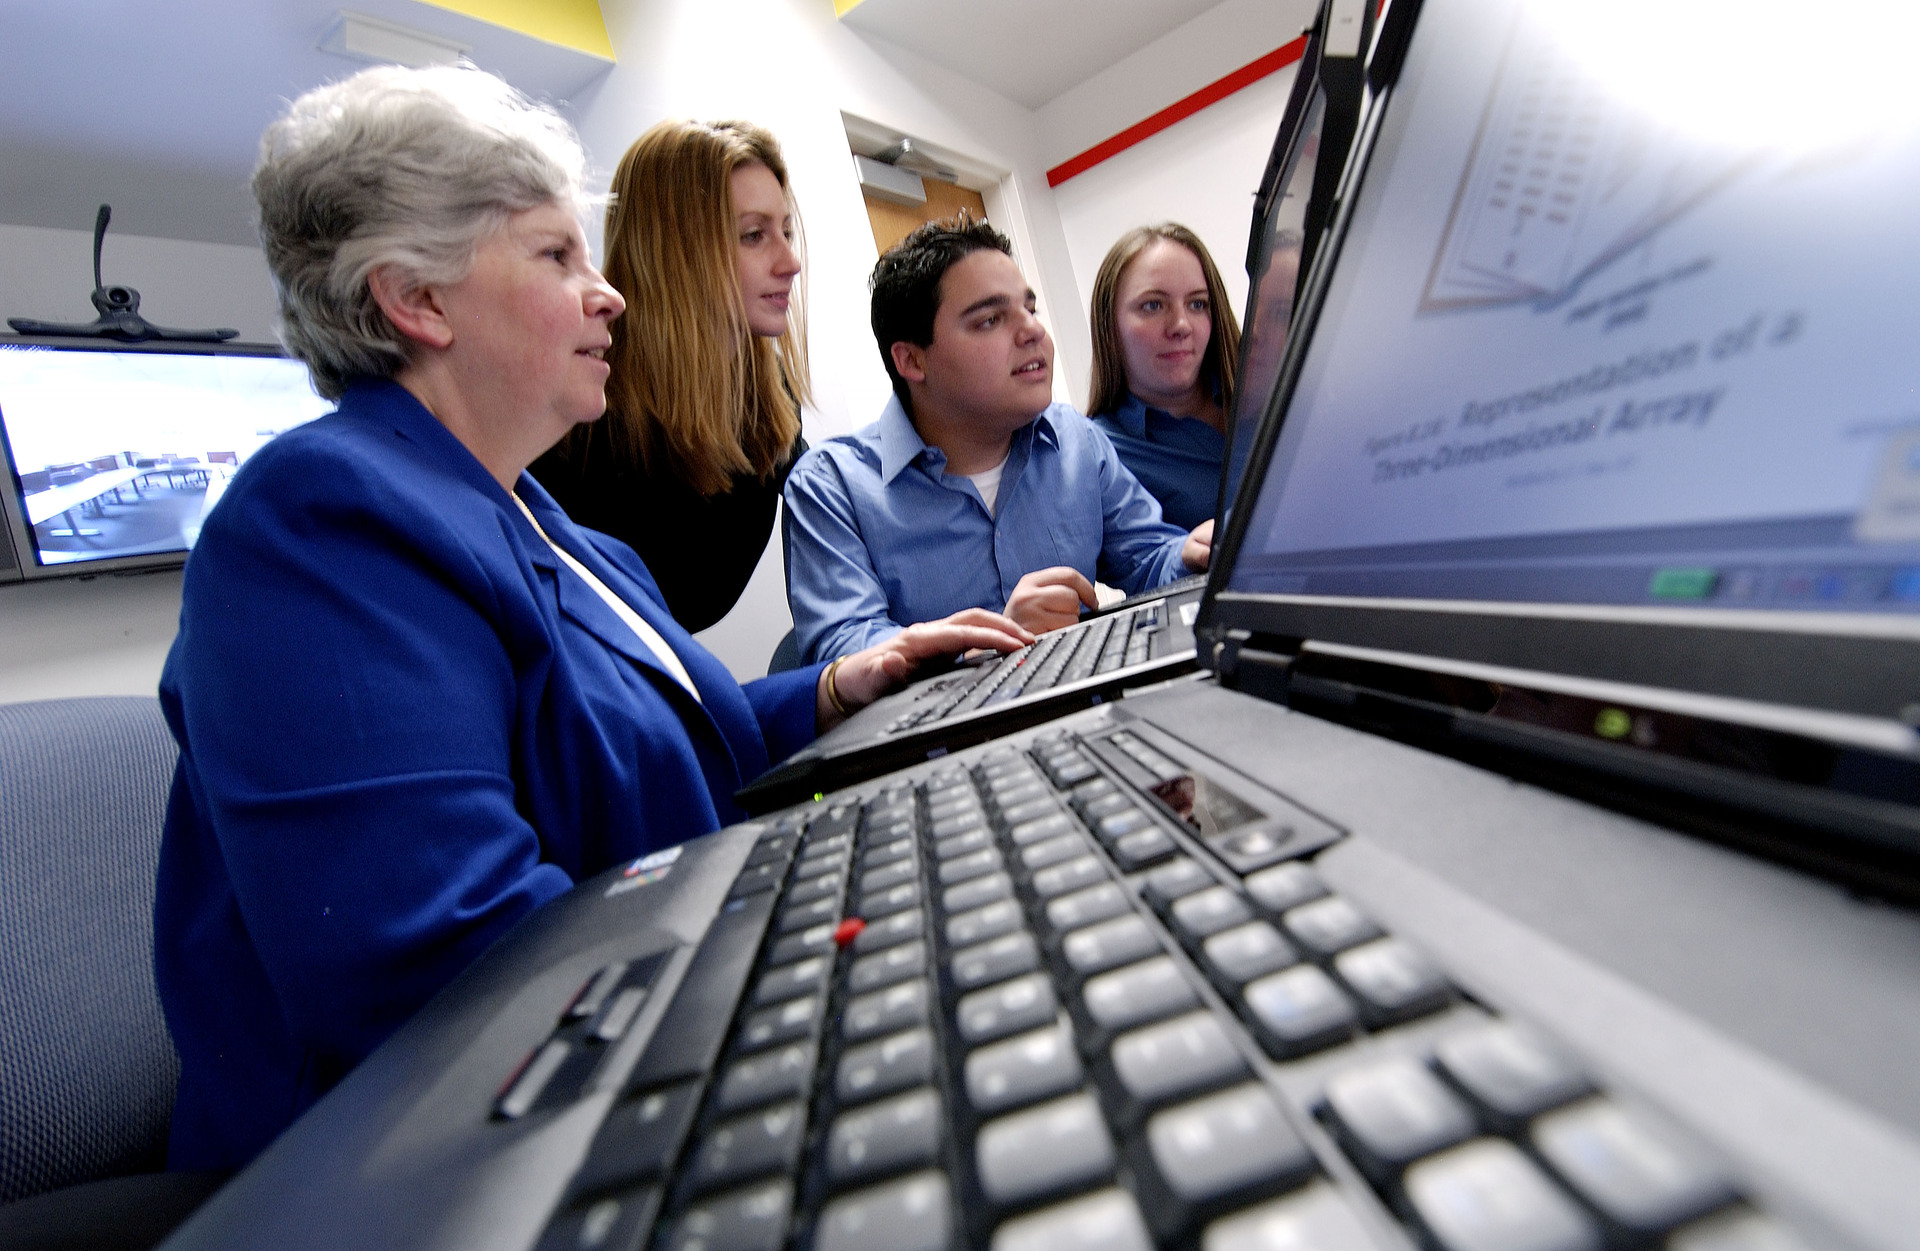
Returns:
(413, 309)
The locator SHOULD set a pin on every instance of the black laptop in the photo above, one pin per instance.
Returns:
(1148, 637)
(1534, 868)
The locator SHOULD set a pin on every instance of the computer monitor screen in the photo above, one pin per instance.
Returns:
(119, 451)
(1275, 281)
(1624, 317)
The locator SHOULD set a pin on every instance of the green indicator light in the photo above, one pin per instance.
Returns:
(1683, 583)
(1612, 723)
(818, 796)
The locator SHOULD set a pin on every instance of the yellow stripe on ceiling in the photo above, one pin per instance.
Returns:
(843, 7)
(575, 24)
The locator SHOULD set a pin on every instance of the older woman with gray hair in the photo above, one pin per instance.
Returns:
(413, 701)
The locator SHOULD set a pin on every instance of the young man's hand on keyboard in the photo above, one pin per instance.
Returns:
(1048, 599)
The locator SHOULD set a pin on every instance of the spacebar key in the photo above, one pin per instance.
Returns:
(688, 1040)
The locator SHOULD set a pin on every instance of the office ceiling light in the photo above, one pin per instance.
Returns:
(372, 39)
(908, 155)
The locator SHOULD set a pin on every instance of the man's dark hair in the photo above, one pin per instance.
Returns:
(906, 283)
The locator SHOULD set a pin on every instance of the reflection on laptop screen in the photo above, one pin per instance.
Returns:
(1276, 279)
(1617, 323)
(121, 453)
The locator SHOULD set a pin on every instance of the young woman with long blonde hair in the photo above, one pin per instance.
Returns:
(709, 364)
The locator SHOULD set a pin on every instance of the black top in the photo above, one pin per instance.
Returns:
(701, 549)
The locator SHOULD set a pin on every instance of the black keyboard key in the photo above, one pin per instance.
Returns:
(994, 961)
(1737, 1229)
(826, 886)
(1142, 848)
(1219, 1150)
(997, 1011)
(1641, 1173)
(1116, 825)
(807, 977)
(1010, 795)
(884, 1066)
(1298, 1011)
(914, 1213)
(1285, 886)
(1109, 944)
(1070, 875)
(1106, 1220)
(1328, 926)
(887, 853)
(1137, 994)
(1043, 1150)
(1087, 906)
(619, 1222)
(1021, 1070)
(1088, 791)
(900, 872)
(640, 1138)
(887, 902)
(594, 995)
(884, 968)
(981, 890)
(783, 1023)
(690, 1035)
(1245, 952)
(1069, 768)
(1179, 1057)
(1051, 851)
(1313, 1218)
(973, 865)
(815, 940)
(977, 925)
(752, 1219)
(1099, 806)
(1511, 1072)
(1392, 981)
(885, 1011)
(960, 844)
(1032, 810)
(1393, 1112)
(903, 1132)
(796, 917)
(757, 878)
(1206, 912)
(782, 1073)
(1175, 880)
(811, 867)
(760, 1143)
(1487, 1196)
(890, 931)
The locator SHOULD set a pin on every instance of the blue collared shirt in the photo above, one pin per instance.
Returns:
(1176, 458)
(879, 536)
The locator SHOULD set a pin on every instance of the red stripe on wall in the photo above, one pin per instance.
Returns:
(1248, 74)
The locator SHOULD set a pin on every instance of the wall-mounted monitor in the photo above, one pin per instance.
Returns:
(115, 452)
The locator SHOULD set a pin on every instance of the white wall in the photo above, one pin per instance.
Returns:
(1201, 172)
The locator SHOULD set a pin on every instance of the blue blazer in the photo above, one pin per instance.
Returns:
(402, 728)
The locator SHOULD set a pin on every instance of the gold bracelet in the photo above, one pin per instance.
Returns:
(833, 688)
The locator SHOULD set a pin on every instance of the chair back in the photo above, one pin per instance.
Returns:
(87, 1069)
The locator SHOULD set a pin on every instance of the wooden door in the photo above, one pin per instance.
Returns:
(892, 222)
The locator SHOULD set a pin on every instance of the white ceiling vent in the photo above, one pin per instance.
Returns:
(371, 39)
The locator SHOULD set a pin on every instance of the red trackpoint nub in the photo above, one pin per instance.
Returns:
(848, 930)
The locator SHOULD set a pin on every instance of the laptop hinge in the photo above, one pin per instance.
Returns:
(1253, 666)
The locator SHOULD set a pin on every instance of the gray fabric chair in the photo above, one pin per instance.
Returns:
(87, 1069)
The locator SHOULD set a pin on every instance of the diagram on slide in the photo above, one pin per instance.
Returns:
(1560, 182)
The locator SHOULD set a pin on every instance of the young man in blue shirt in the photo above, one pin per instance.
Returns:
(973, 490)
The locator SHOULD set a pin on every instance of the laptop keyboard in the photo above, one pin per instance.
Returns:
(1102, 645)
(1018, 1004)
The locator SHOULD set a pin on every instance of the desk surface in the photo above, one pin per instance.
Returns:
(43, 505)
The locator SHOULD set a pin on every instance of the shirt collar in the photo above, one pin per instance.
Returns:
(1131, 416)
(900, 445)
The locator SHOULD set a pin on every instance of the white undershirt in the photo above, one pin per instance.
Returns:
(987, 483)
(648, 636)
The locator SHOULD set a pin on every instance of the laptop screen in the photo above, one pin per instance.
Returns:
(1619, 320)
(120, 450)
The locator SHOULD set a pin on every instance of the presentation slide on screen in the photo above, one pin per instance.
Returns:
(1576, 300)
(119, 453)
